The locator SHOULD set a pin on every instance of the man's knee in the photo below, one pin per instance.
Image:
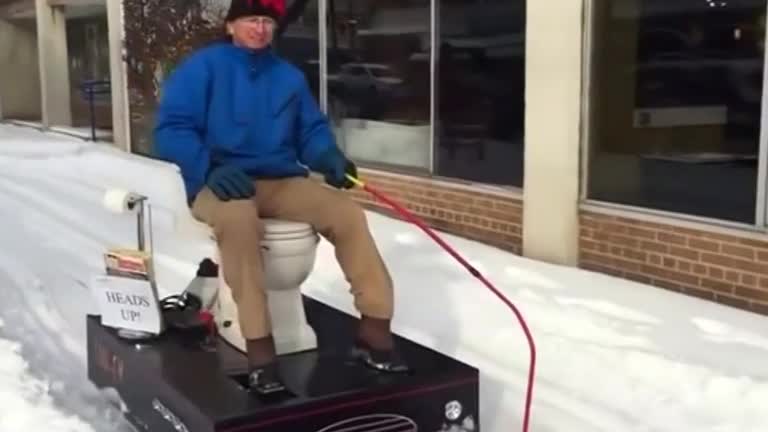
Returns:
(240, 218)
(349, 213)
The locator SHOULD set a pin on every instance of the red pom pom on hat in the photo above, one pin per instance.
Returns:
(271, 8)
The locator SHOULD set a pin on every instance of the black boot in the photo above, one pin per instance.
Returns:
(384, 360)
(263, 376)
(375, 346)
(265, 380)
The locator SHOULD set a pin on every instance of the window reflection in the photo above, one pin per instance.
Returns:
(297, 40)
(379, 79)
(676, 95)
(88, 51)
(481, 76)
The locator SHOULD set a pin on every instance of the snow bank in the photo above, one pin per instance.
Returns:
(614, 355)
(26, 402)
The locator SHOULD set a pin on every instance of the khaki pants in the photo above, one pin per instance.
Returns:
(333, 214)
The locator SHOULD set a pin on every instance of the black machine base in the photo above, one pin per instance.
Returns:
(173, 384)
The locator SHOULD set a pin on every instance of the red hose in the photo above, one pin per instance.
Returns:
(406, 214)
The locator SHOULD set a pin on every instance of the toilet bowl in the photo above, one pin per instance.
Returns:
(288, 256)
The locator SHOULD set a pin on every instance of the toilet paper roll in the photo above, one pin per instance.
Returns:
(119, 200)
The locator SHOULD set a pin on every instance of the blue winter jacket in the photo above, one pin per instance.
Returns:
(228, 105)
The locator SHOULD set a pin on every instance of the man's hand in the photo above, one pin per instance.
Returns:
(336, 167)
(229, 183)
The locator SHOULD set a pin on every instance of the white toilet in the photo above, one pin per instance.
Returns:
(288, 254)
(289, 251)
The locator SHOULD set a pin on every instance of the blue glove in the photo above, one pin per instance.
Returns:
(335, 167)
(228, 183)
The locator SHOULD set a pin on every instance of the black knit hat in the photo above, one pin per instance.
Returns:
(271, 8)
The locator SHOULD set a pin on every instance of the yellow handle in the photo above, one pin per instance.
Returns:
(355, 181)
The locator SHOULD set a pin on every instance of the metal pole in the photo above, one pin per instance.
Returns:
(761, 204)
(323, 54)
(140, 227)
(91, 94)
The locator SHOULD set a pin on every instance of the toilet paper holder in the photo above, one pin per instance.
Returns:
(119, 201)
(140, 200)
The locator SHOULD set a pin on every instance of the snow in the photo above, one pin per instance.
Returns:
(613, 355)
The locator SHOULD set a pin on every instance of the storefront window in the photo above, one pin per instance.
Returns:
(88, 51)
(675, 105)
(298, 40)
(480, 92)
(379, 82)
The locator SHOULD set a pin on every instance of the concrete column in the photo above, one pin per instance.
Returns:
(552, 128)
(54, 64)
(118, 76)
(19, 73)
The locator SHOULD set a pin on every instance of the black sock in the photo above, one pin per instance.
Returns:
(260, 351)
(376, 333)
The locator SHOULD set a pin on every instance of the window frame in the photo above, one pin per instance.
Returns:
(761, 202)
(429, 171)
(761, 207)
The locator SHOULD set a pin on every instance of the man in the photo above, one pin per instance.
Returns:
(243, 127)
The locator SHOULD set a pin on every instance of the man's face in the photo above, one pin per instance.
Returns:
(254, 32)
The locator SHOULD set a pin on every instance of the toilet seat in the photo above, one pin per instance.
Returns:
(279, 229)
(288, 252)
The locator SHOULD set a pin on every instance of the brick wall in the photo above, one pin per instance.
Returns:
(492, 218)
(726, 268)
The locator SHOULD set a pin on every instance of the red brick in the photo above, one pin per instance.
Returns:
(684, 253)
(628, 221)
(615, 239)
(697, 292)
(666, 284)
(726, 268)
(634, 255)
(724, 238)
(726, 261)
(654, 246)
(671, 238)
(484, 203)
(762, 255)
(752, 294)
(614, 228)
(496, 214)
(759, 308)
(704, 245)
(760, 244)
(699, 269)
(601, 268)
(749, 280)
(717, 273)
(671, 275)
(716, 285)
(732, 276)
(591, 223)
(688, 232)
(641, 233)
(512, 210)
(637, 277)
(739, 251)
(732, 301)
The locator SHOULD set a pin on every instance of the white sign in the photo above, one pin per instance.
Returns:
(127, 303)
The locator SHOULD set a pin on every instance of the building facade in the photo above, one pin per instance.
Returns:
(621, 136)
